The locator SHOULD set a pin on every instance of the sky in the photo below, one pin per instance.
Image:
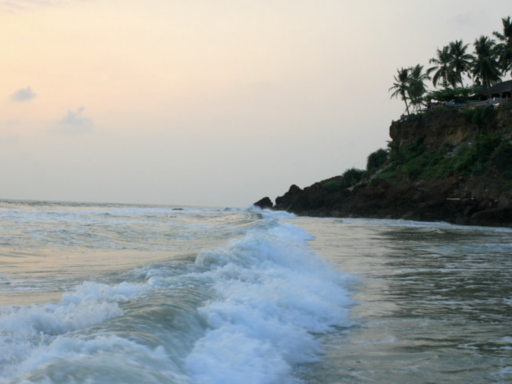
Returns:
(206, 103)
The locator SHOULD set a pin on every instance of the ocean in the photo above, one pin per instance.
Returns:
(113, 293)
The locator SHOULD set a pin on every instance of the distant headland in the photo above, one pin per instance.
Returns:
(450, 154)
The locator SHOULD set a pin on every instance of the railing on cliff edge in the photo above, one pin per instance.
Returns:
(496, 102)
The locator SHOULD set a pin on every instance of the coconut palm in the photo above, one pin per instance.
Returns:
(441, 68)
(486, 68)
(460, 62)
(417, 87)
(401, 85)
(505, 47)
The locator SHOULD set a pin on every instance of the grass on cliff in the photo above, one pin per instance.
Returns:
(349, 178)
(353, 176)
(476, 116)
(414, 162)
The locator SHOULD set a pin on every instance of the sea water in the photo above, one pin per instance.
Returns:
(109, 293)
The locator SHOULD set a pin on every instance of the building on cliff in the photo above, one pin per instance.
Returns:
(502, 90)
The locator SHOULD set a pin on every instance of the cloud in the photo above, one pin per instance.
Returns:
(74, 123)
(23, 94)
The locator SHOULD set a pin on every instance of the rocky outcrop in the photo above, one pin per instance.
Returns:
(447, 200)
(479, 197)
(264, 203)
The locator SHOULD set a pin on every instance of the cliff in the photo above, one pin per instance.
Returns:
(442, 165)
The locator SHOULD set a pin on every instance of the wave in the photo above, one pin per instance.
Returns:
(248, 311)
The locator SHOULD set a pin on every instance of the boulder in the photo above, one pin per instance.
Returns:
(496, 216)
(264, 203)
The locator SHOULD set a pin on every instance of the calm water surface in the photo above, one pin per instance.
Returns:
(435, 302)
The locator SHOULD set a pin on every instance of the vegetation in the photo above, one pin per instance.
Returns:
(442, 68)
(413, 161)
(460, 62)
(376, 160)
(348, 179)
(452, 64)
(401, 86)
(352, 176)
(504, 49)
(456, 94)
(485, 69)
(478, 116)
(417, 87)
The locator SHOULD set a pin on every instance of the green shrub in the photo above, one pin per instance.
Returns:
(485, 146)
(412, 170)
(387, 174)
(348, 179)
(376, 160)
(459, 95)
(446, 147)
(332, 185)
(351, 177)
(413, 161)
(478, 116)
(501, 158)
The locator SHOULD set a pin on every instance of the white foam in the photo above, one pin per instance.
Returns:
(272, 294)
(26, 332)
(271, 214)
(99, 357)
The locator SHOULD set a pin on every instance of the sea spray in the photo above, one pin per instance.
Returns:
(271, 294)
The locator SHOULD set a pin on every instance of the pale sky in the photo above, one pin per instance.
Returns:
(206, 102)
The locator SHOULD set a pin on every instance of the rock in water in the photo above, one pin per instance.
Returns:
(264, 203)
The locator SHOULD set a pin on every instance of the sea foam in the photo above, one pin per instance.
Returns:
(249, 312)
(271, 295)
(29, 334)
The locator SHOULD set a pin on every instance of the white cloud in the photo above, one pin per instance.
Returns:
(23, 94)
(74, 123)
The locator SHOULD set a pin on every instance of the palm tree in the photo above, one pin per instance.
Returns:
(485, 65)
(442, 67)
(401, 85)
(417, 87)
(505, 47)
(460, 62)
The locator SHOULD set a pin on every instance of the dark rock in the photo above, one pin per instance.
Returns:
(384, 184)
(496, 216)
(505, 200)
(288, 202)
(264, 203)
(485, 204)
